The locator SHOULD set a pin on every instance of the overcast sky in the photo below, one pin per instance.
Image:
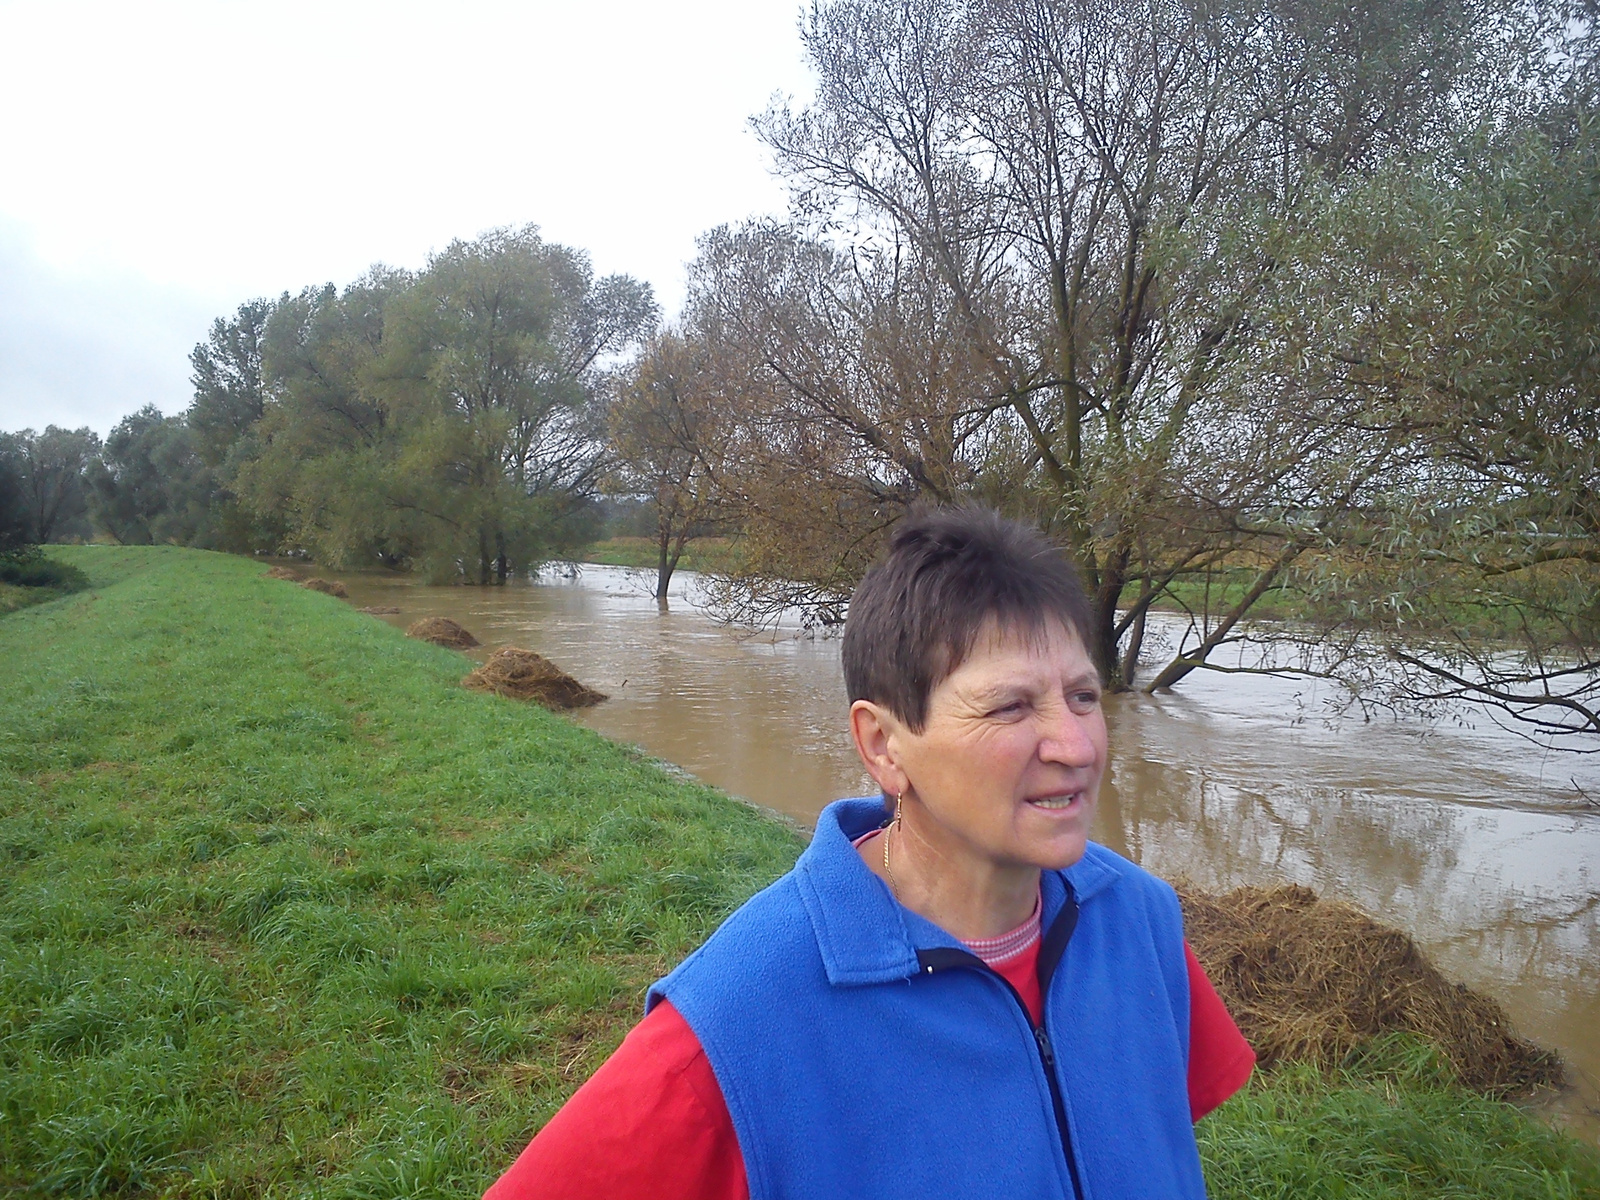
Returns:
(162, 162)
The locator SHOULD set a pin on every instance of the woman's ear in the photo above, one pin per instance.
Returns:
(873, 728)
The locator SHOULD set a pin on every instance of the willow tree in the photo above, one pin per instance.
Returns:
(1093, 202)
(1463, 304)
(445, 419)
(317, 462)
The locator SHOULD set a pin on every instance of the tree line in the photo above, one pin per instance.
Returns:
(1246, 302)
(447, 420)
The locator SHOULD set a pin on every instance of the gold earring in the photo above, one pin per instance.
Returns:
(899, 812)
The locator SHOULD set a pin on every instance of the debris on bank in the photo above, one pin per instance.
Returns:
(283, 573)
(1309, 980)
(328, 587)
(381, 610)
(441, 631)
(524, 675)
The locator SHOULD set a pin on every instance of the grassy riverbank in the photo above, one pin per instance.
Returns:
(284, 911)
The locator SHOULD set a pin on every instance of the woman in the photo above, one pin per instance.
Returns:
(954, 992)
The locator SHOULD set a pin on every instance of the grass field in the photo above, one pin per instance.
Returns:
(284, 911)
(702, 554)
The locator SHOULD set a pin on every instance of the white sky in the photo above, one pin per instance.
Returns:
(162, 162)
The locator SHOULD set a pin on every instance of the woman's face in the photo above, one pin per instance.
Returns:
(1009, 761)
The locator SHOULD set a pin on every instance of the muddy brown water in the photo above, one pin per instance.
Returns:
(1480, 844)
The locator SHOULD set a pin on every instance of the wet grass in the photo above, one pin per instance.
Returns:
(1389, 1125)
(284, 911)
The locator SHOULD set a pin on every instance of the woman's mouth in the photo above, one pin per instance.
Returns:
(1056, 802)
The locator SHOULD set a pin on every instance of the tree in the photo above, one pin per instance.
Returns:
(848, 392)
(229, 394)
(14, 541)
(1466, 304)
(51, 468)
(1090, 202)
(664, 430)
(446, 419)
(151, 486)
(490, 358)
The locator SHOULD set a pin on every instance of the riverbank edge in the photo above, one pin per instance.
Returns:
(339, 853)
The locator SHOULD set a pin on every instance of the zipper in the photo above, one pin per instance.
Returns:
(1047, 1056)
(1050, 952)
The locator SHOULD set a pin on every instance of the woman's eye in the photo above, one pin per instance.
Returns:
(1086, 699)
(1009, 710)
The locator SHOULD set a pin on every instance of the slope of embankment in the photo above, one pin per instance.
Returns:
(285, 910)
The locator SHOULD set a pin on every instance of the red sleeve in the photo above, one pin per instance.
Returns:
(650, 1124)
(1220, 1060)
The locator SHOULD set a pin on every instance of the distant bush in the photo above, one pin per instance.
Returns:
(37, 571)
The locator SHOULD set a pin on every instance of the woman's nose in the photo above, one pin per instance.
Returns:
(1068, 739)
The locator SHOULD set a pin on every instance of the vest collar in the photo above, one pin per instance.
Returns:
(865, 936)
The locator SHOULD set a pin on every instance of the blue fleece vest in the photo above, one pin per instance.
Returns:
(861, 1053)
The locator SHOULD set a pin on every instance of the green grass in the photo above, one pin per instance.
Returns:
(284, 911)
(702, 554)
(1391, 1125)
(1447, 607)
(36, 580)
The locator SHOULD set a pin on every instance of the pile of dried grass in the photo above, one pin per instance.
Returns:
(281, 573)
(524, 675)
(441, 631)
(1309, 980)
(329, 587)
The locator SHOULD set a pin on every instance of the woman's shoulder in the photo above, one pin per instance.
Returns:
(765, 937)
(1102, 868)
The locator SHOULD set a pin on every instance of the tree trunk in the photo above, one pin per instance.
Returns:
(1130, 652)
(1107, 591)
(664, 565)
(667, 561)
(1183, 664)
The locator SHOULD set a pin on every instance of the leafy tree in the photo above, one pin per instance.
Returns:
(1463, 304)
(14, 522)
(315, 460)
(52, 467)
(666, 431)
(229, 394)
(151, 485)
(446, 419)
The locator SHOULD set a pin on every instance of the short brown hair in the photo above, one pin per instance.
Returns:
(948, 571)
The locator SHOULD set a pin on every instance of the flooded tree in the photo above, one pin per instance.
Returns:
(1462, 306)
(666, 432)
(1041, 251)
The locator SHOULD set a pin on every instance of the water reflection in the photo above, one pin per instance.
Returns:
(1467, 836)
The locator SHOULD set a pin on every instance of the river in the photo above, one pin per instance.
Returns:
(1482, 846)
